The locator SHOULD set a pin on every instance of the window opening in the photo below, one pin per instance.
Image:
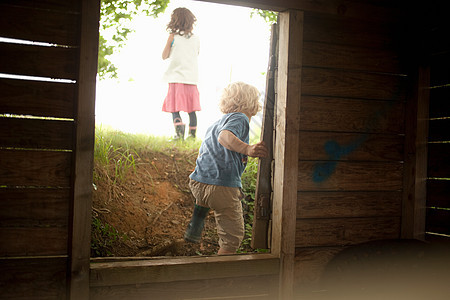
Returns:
(141, 201)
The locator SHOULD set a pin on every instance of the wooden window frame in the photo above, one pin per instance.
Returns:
(108, 272)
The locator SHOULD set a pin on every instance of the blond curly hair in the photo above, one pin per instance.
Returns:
(240, 97)
(181, 22)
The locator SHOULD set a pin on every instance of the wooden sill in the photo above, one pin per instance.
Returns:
(124, 271)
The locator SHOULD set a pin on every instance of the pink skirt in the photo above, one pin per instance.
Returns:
(182, 97)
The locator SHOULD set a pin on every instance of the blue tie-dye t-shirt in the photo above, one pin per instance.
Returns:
(216, 164)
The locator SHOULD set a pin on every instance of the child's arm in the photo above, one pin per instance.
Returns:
(231, 142)
(166, 51)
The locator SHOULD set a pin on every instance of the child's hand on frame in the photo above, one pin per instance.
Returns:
(257, 150)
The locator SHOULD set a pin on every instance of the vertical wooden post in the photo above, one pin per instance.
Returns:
(80, 239)
(286, 146)
(416, 154)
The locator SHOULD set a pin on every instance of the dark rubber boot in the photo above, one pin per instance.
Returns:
(179, 130)
(192, 133)
(194, 231)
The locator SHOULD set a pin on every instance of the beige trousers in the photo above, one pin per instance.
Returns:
(226, 204)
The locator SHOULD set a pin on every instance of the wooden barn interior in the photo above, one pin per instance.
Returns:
(360, 158)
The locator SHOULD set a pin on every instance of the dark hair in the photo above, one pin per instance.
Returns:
(182, 21)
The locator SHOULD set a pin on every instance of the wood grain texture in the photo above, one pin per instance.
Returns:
(345, 231)
(49, 62)
(66, 6)
(36, 133)
(348, 204)
(33, 278)
(39, 25)
(341, 83)
(341, 30)
(179, 269)
(83, 164)
(351, 115)
(416, 148)
(21, 207)
(35, 168)
(37, 98)
(264, 178)
(237, 287)
(350, 146)
(349, 176)
(33, 241)
(318, 54)
(286, 146)
(379, 10)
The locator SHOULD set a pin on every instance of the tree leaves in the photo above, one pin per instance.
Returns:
(116, 17)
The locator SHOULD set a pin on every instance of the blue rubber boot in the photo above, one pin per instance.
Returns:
(193, 233)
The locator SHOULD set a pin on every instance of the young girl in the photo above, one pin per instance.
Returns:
(182, 48)
(216, 180)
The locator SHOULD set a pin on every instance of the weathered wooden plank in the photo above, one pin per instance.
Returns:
(20, 207)
(33, 278)
(439, 160)
(348, 204)
(342, 30)
(62, 6)
(345, 231)
(83, 164)
(350, 146)
(50, 62)
(35, 168)
(352, 84)
(39, 25)
(438, 192)
(264, 178)
(179, 269)
(237, 287)
(33, 241)
(286, 145)
(415, 162)
(351, 115)
(327, 55)
(349, 176)
(438, 221)
(440, 102)
(379, 10)
(439, 130)
(37, 98)
(36, 133)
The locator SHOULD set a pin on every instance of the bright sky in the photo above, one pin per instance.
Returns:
(233, 47)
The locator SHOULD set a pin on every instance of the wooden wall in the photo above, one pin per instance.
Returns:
(44, 89)
(437, 50)
(351, 137)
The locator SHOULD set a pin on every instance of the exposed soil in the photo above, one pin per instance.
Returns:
(147, 212)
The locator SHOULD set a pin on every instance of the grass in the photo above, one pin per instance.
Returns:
(121, 150)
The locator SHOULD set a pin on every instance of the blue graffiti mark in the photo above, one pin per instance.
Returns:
(322, 171)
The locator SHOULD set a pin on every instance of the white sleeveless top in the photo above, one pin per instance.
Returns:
(183, 66)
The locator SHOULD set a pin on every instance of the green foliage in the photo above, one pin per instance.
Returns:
(269, 16)
(115, 18)
(103, 237)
